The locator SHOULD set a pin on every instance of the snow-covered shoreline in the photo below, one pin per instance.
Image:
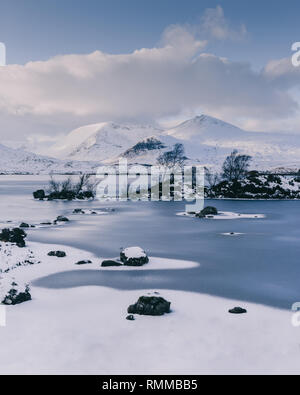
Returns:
(75, 330)
(83, 330)
(39, 253)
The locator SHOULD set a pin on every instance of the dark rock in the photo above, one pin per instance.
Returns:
(15, 235)
(63, 195)
(58, 254)
(45, 223)
(133, 256)
(237, 310)
(78, 211)
(39, 194)
(14, 297)
(24, 225)
(85, 195)
(111, 262)
(130, 317)
(61, 218)
(83, 262)
(150, 305)
(209, 210)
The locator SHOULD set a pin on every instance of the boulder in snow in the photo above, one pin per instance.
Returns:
(61, 218)
(58, 254)
(238, 310)
(111, 262)
(15, 235)
(39, 194)
(84, 262)
(209, 210)
(150, 305)
(134, 256)
(15, 296)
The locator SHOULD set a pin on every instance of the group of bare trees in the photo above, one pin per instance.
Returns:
(173, 158)
(69, 187)
(235, 166)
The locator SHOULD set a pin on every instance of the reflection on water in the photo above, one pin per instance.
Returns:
(262, 265)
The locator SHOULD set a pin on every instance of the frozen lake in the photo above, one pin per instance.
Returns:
(262, 265)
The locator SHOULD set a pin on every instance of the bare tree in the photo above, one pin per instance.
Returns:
(83, 182)
(236, 166)
(54, 186)
(212, 178)
(172, 158)
(66, 185)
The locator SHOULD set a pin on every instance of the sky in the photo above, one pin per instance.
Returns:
(73, 62)
(40, 29)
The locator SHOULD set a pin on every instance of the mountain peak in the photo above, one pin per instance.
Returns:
(103, 141)
(207, 120)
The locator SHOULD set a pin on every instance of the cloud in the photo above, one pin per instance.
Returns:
(217, 26)
(52, 97)
(282, 73)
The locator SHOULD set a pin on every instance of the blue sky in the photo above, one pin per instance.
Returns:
(39, 29)
(75, 62)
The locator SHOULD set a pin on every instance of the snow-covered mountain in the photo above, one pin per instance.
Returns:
(102, 141)
(18, 161)
(208, 141)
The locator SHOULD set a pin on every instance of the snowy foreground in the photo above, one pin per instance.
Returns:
(83, 330)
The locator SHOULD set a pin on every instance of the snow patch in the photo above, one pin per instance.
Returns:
(225, 215)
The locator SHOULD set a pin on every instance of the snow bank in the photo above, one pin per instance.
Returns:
(12, 257)
(232, 234)
(16, 260)
(225, 215)
(90, 212)
(157, 264)
(83, 330)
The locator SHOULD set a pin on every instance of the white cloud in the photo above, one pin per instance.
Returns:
(151, 83)
(282, 73)
(217, 26)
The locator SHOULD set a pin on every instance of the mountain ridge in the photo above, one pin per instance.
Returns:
(207, 141)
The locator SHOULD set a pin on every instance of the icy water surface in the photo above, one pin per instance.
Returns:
(260, 265)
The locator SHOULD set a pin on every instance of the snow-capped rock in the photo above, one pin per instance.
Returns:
(12, 293)
(134, 256)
